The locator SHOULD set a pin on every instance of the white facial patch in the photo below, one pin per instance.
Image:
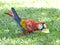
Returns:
(40, 26)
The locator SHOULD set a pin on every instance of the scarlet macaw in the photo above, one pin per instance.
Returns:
(26, 25)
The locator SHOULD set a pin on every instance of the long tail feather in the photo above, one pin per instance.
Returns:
(9, 13)
(17, 19)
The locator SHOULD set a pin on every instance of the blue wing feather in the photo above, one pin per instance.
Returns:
(17, 19)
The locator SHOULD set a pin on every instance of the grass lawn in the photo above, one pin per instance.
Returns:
(10, 34)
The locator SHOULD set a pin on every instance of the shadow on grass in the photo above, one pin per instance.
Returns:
(50, 15)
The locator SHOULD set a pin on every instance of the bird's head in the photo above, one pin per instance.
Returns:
(41, 25)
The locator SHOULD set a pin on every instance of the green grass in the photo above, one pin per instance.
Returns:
(10, 34)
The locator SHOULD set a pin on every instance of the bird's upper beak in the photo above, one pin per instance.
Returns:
(44, 25)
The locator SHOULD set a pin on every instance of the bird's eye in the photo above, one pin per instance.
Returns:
(40, 26)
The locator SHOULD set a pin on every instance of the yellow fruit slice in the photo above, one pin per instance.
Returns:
(45, 31)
